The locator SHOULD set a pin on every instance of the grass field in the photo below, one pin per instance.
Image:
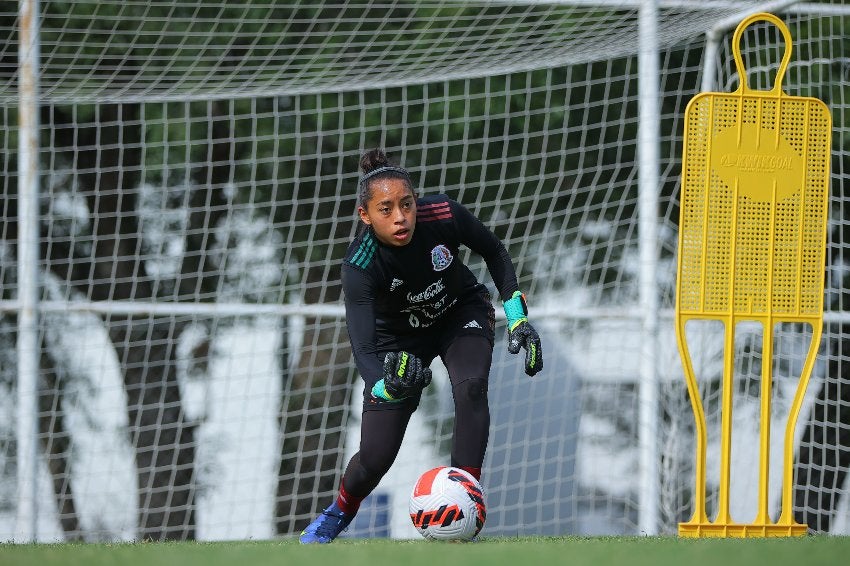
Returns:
(526, 551)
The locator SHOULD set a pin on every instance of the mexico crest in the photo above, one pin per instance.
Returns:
(441, 257)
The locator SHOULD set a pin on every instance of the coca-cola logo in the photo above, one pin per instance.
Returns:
(429, 293)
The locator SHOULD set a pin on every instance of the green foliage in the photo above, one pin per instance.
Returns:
(296, 153)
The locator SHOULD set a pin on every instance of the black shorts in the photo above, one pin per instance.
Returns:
(474, 316)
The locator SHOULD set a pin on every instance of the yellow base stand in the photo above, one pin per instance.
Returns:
(733, 530)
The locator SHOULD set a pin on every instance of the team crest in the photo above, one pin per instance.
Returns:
(441, 257)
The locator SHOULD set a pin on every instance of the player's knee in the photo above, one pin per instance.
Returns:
(375, 464)
(473, 391)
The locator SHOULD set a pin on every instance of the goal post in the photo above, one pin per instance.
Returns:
(27, 272)
(196, 193)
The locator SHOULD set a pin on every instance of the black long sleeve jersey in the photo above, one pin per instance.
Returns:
(402, 290)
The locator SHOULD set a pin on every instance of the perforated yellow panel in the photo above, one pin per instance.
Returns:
(753, 206)
(752, 241)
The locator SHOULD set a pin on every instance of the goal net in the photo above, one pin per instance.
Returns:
(197, 179)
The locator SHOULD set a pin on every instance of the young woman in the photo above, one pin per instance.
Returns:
(409, 299)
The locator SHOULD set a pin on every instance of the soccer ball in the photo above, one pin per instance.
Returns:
(447, 504)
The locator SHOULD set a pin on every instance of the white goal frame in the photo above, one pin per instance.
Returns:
(648, 311)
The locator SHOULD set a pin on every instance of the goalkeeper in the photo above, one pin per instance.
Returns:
(409, 299)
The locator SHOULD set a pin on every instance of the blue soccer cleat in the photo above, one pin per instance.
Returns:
(326, 527)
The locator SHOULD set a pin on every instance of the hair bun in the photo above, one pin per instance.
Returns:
(374, 159)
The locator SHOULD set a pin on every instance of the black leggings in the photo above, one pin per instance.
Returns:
(468, 361)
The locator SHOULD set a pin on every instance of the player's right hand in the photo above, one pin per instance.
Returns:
(404, 376)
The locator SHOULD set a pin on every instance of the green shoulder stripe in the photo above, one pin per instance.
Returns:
(364, 254)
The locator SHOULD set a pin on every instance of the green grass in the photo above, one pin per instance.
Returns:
(525, 551)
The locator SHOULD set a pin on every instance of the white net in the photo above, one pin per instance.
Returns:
(167, 50)
(197, 194)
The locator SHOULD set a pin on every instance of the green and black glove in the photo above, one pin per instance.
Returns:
(521, 334)
(404, 376)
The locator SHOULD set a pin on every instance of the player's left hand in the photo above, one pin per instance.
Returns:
(522, 335)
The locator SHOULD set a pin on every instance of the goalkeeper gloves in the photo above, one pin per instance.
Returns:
(404, 376)
(522, 335)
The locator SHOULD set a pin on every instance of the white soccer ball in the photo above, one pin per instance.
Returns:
(447, 504)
